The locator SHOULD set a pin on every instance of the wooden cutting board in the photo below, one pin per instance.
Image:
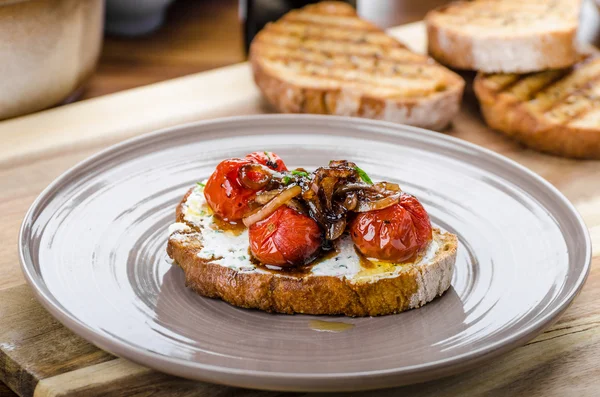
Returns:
(39, 357)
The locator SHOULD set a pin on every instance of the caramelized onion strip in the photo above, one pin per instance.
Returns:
(366, 206)
(388, 187)
(263, 212)
(336, 229)
(263, 198)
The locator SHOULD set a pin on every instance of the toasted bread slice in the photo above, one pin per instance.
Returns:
(324, 59)
(216, 264)
(556, 111)
(507, 36)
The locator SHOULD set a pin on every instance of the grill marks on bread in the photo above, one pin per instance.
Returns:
(324, 59)
(547, 109)
(333, 54)
(564, 96)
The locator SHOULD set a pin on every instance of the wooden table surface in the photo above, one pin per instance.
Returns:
(38, 355)
(201, 35)
(197, 36)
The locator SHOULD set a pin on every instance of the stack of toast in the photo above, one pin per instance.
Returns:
(533, 84)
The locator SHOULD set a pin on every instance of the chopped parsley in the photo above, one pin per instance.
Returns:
(286, 180)
(363, 175)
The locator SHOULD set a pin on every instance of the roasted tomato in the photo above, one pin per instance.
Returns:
(285, 238)
(395, 233)
(269, 159)
(235, 183)
(225, 194)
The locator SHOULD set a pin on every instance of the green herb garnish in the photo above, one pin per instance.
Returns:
(300, 173)
(268, 156)
(287, 179)
(200, 184)
(363, 175)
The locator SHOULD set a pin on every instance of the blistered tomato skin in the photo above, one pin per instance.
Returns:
(268, 159)
(395, 234)
(286, 238)
(420, 218)
(224, 193)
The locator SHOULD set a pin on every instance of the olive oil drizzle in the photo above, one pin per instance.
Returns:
(235, 228)
(329, 326)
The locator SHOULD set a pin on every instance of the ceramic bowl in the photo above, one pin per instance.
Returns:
(48, 50)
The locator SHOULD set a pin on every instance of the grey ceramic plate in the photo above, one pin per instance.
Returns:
(93, 249)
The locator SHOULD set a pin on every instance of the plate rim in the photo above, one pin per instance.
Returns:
(146, 357)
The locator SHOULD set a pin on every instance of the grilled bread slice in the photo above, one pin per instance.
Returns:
(216, 264)
(556, 111)
(323, 59)
(507, 36)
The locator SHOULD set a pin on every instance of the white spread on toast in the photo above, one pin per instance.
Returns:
(178, 227)
(231, 249)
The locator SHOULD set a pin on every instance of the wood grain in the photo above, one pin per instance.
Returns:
(45, 359)
(123, 378)
(41, 348)
(192, 30)
(37, 354)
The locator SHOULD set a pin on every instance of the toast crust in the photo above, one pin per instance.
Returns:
(310, 294)
(510, 42)
(556, 112)
(323, 59)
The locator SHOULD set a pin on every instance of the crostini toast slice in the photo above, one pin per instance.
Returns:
(217, 264)
(323, 59)
(508, 36)
(556, 111)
